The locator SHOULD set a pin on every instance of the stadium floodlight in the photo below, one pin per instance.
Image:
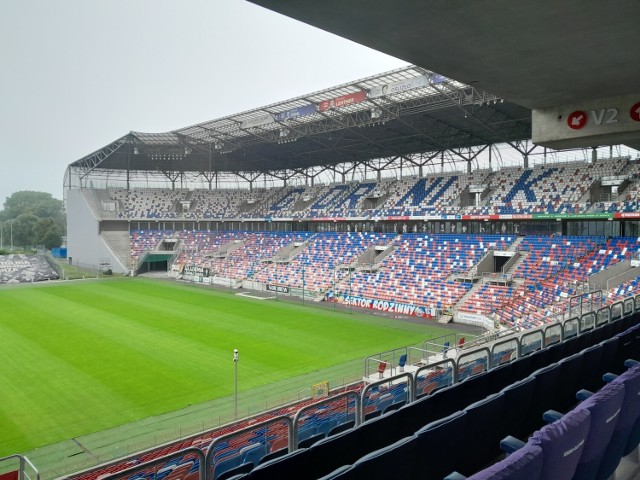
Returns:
(235, 400)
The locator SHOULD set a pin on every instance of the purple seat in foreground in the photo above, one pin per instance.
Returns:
(605, 407)
(562, 443)
(624, 428)
(523, 464)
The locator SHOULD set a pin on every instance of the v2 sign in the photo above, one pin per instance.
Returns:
(604, 115)
(578, 119)
(603, 121)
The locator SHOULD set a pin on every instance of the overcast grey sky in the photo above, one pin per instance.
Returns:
(77, 74)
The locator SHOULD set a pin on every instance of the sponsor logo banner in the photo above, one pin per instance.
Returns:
(626, 215)
(196, 270)
(342, 101)
(259, 121)
(277, 288)
(474, 319)
(295, 113)
(385, 306)
(399, 86)
(569, 216)
(510, 216)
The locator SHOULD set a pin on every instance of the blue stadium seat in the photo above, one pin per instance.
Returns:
(547, 381)
(438, 444)
(253, 453)
(518, 403)
(281, 467)
(484, 417)
(393, 461)
(235, 472)
(227, 463)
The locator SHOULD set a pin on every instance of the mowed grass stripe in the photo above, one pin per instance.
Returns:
(23, 400)
(78, 358)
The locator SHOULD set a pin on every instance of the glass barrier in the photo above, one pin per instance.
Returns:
(530, 342)
(319, 419)
(248, 444)
(570, 328)
(388, 394)
(629, 306)
(553, 334)
(587, 322)
(504, 352)
(430, 378)
(186, 464)
(473, 363)
(616, 311)
(604, 316)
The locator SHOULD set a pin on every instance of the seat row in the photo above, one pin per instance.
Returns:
(460, 427)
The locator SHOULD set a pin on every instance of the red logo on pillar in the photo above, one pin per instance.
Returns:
(577, 120)
(634, 113)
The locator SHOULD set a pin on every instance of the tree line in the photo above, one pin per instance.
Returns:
(31, 219)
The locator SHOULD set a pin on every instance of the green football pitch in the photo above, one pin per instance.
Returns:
(86, 356)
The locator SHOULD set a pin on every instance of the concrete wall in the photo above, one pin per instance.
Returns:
(85, 247)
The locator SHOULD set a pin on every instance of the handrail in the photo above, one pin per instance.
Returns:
(24, 462)
(161, 462)
(385, 381)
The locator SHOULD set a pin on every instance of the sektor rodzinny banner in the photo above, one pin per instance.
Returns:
(385, 306)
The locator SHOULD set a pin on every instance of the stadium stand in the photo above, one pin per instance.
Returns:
(418, 269)
(318, 265)
(554, 189)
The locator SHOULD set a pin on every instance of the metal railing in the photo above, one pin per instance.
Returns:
(23, 468)
(176, 465)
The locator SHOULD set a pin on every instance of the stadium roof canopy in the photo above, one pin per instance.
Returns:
(537, 54)
(572, 55)
(394, 115)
